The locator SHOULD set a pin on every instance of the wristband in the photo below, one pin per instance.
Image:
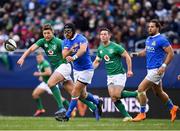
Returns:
(164, 65)
(75, 57)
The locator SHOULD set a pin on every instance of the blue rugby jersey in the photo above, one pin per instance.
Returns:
(155, 53)
(83, 62)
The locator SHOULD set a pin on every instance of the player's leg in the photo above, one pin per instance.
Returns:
(60, 74)
(127, 94)
(68, 86)
(95, 107)
(53, 80)
(114, 92)
(76, 92)
(158, 90)
(143, 87)
(36, 96)
(120, 79)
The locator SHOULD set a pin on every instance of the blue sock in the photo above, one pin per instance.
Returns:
(72, 105)
(92, 99)
(169, 104)
(142, 109)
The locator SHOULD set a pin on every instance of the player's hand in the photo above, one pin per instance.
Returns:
(132, 54)
(36, 73)
(161, 70)
(129, 74)
(20, 62)
(69, 59)
(178, 77)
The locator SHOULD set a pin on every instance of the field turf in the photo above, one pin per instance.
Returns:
(49, 123)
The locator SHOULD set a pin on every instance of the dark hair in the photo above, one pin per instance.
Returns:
(70, 26)
(157, 23)
(104, 29)
(47, 27)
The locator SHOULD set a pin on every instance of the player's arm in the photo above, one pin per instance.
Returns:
(27, 53)
(167, 60)
(80, 52)
(96, 62)
(140, 53)
(169, 56)
(66, 52)
(128, 62)
(47, 72)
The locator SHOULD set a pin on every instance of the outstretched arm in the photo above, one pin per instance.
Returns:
(27, 53)
(141, 53)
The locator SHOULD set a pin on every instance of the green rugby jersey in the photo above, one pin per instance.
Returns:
(41, 67)
(111, 54)
(53, 50)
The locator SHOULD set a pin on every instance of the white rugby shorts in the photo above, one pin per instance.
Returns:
(119, 79)
(84, 76)
(65, 70)
(153, 76)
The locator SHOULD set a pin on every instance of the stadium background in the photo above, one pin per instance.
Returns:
(21, 20)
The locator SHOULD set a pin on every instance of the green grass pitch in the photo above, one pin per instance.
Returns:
(49, 123)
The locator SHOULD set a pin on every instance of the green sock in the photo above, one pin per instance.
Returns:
(57, 95)
(125, 94)
(39, 103)
(66, 103)
(91, 106)
(121, 108)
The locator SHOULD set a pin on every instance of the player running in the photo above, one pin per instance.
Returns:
(62, 70)
(159, 54)
(112, 53)
(44, 72)
(76, 51)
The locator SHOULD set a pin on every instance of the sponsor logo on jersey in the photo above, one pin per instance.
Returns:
(50, 52)
(150, 49)
(106, 58)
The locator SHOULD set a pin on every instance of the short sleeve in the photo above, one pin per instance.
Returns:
(46, 64)
(40, 42)
(83, 40)
(164, 42)
(119, 49)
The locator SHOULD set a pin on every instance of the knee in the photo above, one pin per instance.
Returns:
(114, 99)
(50, 84)
(35, 95)
(84, 95)
(75, 93)
(141, 94)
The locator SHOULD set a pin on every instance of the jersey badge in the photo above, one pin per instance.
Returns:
(106, 58)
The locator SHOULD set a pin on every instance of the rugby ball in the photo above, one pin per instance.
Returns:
(10, 45)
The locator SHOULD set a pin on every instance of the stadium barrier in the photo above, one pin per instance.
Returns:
(16, 85)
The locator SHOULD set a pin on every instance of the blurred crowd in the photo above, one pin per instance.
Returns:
(127, 19)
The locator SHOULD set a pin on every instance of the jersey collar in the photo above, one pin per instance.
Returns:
(74, 36)
(155, 35)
